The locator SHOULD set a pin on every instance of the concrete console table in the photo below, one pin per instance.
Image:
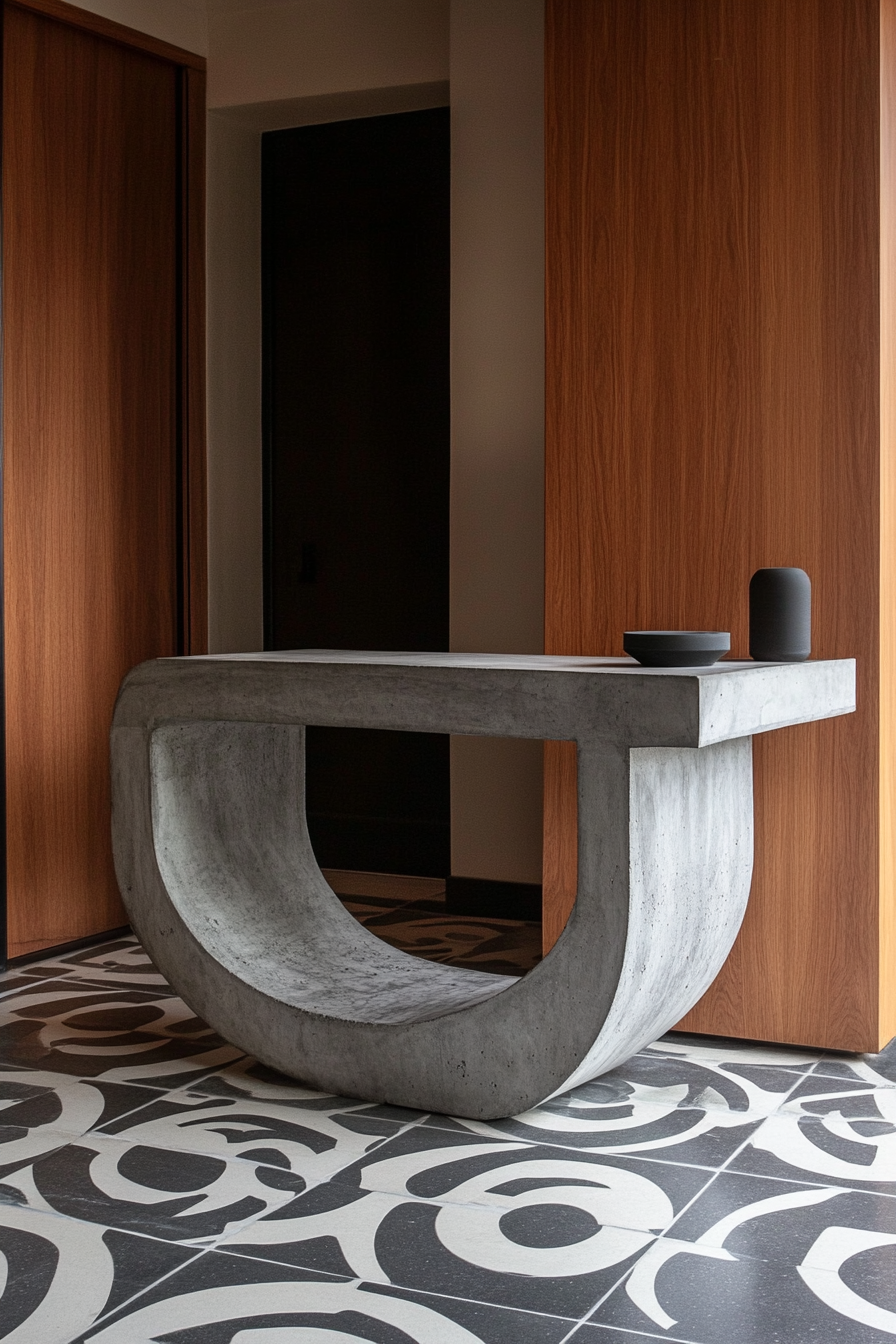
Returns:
(217, 873)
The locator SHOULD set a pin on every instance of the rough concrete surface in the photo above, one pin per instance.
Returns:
(217, 872)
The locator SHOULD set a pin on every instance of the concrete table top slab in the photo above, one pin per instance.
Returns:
(217, 872)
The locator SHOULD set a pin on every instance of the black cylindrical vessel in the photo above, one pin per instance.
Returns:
(780, 615)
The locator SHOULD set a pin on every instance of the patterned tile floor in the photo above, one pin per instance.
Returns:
(156, 1184)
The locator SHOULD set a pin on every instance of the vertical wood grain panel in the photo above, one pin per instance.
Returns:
(713, 347)
(90, 186)
(888, 516)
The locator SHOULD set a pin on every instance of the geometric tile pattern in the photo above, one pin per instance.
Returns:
(158, 1185)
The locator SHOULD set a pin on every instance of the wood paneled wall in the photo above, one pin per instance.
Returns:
(714, 345)
(103, 481)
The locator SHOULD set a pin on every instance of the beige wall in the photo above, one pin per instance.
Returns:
(497, 408)
(182, 22)
(266, 50)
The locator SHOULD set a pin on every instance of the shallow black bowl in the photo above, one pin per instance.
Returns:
(676, 648)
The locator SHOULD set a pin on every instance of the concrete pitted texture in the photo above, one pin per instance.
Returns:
(219, 879)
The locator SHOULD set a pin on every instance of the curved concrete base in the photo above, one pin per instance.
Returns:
(217, 872)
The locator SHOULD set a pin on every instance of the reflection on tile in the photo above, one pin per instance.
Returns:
(426, 929)
(781, 1220)
(735, 1085)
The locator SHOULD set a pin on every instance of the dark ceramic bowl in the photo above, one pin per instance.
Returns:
(676, 648)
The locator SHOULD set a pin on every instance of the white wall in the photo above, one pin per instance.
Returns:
(497, 408)
(181, 22)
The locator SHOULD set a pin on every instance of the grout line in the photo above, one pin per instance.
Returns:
(597, 1153)
(422, 1122)
(570, 1333)
(32, 981)
(475, 1302)
(76, 1135)
(441, 1202)
(471, 1301)
(59, 983)
(587, 1319)
(229, 1158)
(403, 1287)
(726, 1166)
(624, 1330)
(205, 1250)
(816, 1184)
(881, 1083)
(232, 1232)
(122, 986)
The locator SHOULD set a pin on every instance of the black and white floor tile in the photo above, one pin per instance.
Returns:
(425, 929)
(158, 1185)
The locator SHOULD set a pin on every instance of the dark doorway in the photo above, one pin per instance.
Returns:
(356, 310)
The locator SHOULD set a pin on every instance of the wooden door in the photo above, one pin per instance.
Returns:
(98, 321)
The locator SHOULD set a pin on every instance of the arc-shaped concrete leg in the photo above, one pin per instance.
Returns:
(218, 875)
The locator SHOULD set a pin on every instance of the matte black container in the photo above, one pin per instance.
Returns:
(780, 615)
(676, 648)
